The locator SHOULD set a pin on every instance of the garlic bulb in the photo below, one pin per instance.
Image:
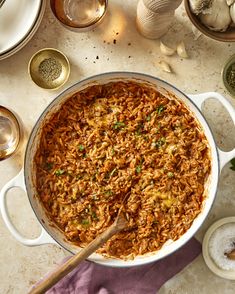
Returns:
(181, 50)
(166, 50)
(219, 17)
(200, 6)
(232, 12)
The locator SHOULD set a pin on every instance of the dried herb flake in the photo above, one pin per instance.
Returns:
(81, 147)
(59, 172)
(160, 109)
(160, 142)
(148, 118)
(119, 125)
(85, 222)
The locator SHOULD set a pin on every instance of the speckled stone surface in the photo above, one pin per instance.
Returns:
(92, 53)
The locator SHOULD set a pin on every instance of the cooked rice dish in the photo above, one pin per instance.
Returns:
(122, 138)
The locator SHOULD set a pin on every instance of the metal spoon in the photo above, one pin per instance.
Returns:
(231, 255)
(2, 2)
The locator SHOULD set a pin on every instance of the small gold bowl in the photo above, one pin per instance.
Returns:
(79, 16)
(227, 67)
(49, 68)
(9, 133)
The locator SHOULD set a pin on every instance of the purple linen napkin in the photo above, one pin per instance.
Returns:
(91, 278)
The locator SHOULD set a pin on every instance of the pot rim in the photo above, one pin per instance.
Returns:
(141, 76)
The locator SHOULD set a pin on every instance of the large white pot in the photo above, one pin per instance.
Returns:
(25, 179)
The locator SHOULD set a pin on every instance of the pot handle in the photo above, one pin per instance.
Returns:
(44, 238)
(198, 99)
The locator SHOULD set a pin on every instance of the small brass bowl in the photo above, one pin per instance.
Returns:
(79, 15)
(230, 62)
(227, 36)
(9, 133)
(49, 68)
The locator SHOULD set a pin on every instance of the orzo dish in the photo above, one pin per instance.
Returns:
(121, 138)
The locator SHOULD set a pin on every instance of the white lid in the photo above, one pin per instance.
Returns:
(16, 20)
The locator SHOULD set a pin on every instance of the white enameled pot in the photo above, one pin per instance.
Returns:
(26, 178)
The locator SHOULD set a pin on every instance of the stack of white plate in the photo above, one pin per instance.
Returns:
(19, 20)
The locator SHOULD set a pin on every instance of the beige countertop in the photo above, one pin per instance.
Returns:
(22, 266)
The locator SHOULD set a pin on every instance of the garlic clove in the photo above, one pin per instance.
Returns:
(232, 12)
(181, 50)
(165, 66)
(166, 50)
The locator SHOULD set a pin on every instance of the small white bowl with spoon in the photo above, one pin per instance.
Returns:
(218, 248)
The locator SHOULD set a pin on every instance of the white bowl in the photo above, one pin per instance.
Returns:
(226, 274)
(19, 21)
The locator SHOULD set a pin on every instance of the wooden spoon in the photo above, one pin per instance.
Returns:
(119, 224)
(231, 255)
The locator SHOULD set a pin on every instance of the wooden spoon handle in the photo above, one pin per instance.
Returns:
(75, 260)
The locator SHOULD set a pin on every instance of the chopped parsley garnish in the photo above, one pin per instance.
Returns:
(233, 164)
(139, 130)
(119, 125)
(79, 177)
(148, 118)
(85, 222)
(81, 147)
(138, 168)
(94, 215)
(108, 193)
(170, 175)
(59, 172)
(160, 109)
(160, 142)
